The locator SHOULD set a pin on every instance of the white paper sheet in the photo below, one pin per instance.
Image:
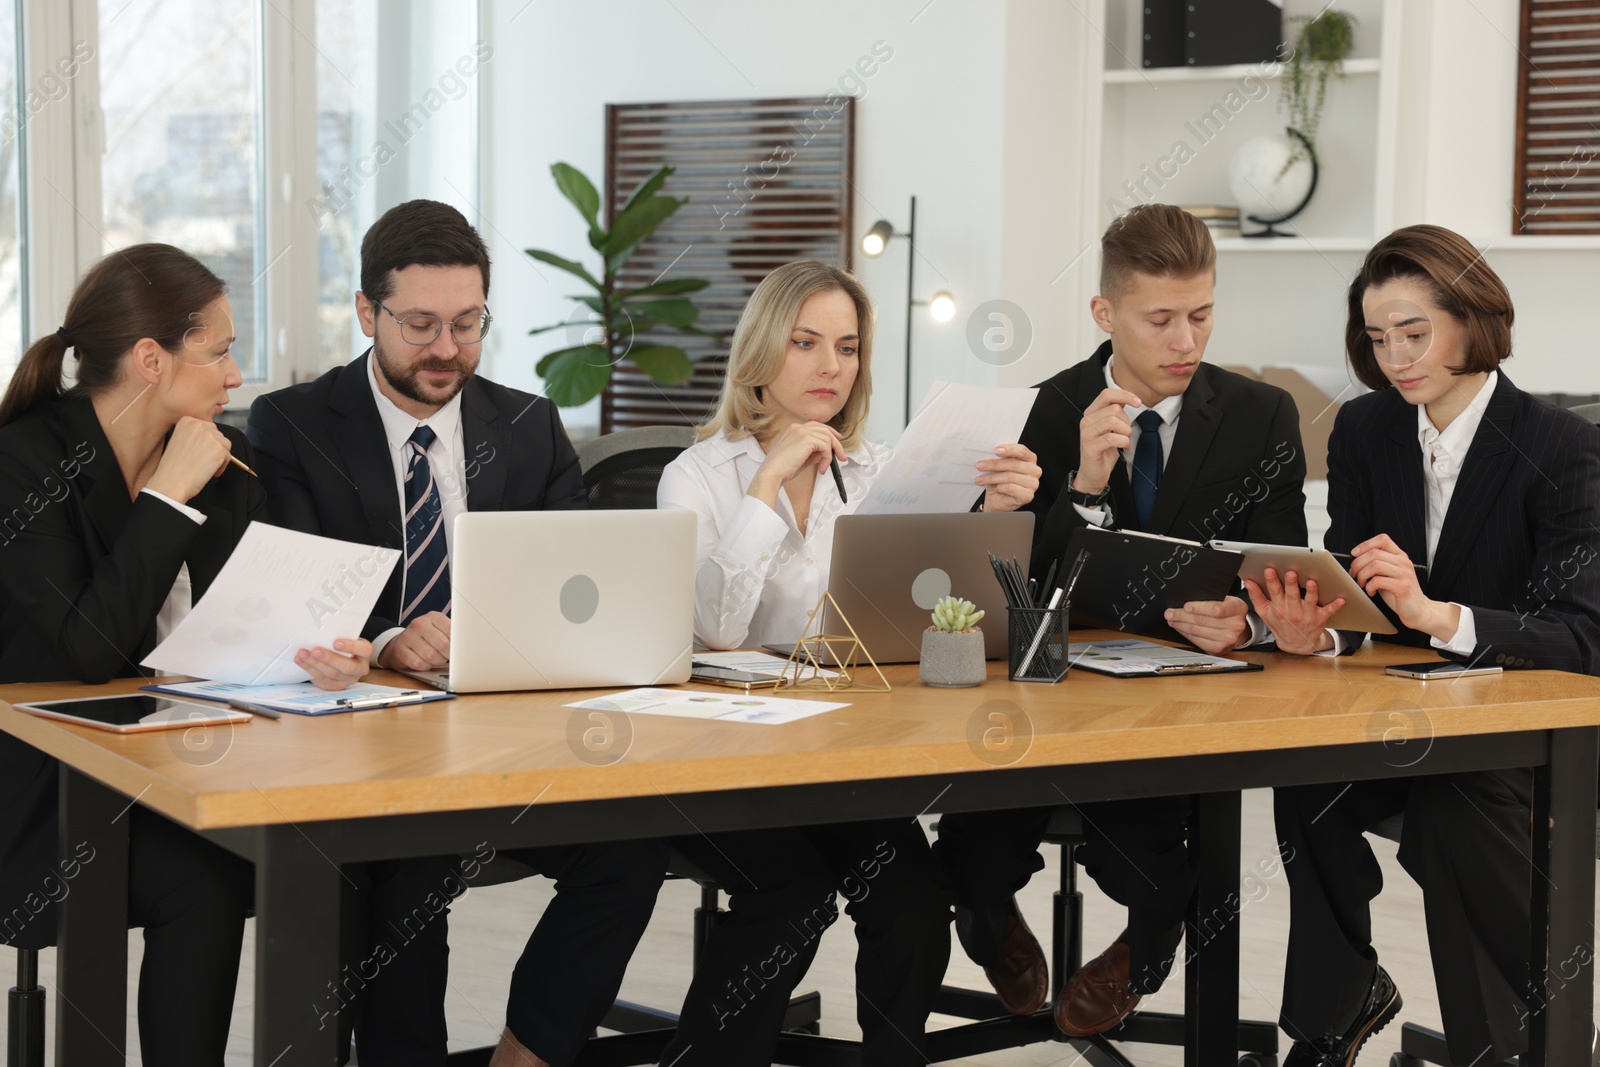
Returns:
(934, 466)
(694, 704)
(279, 592)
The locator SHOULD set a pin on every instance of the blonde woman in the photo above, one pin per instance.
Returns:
(796, 396)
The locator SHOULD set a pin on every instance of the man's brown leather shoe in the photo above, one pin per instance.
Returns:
(1023, 978)
(1097, 998)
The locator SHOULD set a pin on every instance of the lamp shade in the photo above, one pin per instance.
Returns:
(873, 243)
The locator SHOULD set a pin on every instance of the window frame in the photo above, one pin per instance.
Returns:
(60, 166)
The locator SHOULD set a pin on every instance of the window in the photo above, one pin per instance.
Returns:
(13, 294)
(195, 122)
(179, 94)
(397, 119)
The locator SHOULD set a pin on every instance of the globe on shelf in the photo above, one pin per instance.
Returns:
(1265, 192)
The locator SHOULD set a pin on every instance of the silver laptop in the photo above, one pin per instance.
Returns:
(888, 571)
(569, 600)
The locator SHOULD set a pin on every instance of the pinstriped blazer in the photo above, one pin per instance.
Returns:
(1521, 537)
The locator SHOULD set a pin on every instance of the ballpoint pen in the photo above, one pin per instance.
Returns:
(254, 709)
(1077, 569)
(838, 479)
(386, 700)
(237, 462)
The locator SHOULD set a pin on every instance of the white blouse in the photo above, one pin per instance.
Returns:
(757, 577)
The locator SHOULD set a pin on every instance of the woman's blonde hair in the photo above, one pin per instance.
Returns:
(761, 342)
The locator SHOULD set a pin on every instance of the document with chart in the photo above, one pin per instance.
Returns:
(279, 592)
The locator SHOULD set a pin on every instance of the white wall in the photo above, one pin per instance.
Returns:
(1454, 168)
(983, 113)
(929, 124)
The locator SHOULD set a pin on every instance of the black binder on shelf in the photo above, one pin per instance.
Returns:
(1163, 33)
(1133, 578)
(1220, 32)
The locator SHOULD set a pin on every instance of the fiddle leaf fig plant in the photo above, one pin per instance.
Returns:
(619, 315)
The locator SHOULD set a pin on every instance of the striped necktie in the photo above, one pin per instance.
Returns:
(427, 557)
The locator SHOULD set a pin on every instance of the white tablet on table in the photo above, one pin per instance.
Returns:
(1333, 581)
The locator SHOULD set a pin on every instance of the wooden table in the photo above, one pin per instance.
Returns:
(301, 796)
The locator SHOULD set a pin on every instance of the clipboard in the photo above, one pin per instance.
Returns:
(1134, 577)
(1145, 659)
(299, 698)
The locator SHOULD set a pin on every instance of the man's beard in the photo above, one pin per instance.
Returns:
(404, 379)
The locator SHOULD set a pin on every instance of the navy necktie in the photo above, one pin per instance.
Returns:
(1146, 466)
(427, 557)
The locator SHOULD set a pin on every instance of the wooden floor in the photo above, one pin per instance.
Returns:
(489, 926)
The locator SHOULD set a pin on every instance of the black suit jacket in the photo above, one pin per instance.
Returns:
(1519, 541)
(85, 570)
(323, 457)
(1236, 469)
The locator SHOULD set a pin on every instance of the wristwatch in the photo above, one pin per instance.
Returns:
(1086, 500)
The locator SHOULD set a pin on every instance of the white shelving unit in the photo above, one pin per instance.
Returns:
(1396, 145)
(1170, 134)
(1123, 76)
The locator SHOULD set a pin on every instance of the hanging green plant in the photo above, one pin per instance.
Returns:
(1318, 54)
(576, 375)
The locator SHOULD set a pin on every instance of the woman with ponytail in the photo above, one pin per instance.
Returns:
(119, 504)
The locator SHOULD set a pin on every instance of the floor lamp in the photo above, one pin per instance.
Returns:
(942, 306)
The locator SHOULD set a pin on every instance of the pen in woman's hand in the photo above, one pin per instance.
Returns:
(237, 462)
(838, 479)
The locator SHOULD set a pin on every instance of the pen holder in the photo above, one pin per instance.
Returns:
(1036, 640)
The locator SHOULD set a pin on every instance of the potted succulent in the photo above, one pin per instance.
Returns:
(952, 648)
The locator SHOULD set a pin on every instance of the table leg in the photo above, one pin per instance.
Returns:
(92, 936)
(1562, 932)
(298, 998)
(1211, 976)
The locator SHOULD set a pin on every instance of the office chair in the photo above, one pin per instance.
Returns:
(1258, 1041)
(621, 470)
(25, 1024)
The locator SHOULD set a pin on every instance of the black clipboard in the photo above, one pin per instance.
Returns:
(1132, 579)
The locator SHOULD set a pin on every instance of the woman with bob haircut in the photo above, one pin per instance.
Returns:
(1450, 467)
(120, 506)
(798, 386)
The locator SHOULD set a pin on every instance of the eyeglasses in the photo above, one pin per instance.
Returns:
(425, 329)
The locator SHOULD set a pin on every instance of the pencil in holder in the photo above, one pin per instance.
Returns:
(1037, 643)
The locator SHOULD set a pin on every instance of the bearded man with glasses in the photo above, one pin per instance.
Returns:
(387, 450)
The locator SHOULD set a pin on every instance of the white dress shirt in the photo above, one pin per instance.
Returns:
(757, 577)
(447, 455)
(1443, 453)
(1168, 409)
(180, 601)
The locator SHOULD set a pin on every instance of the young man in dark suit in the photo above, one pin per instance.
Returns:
(1142, 435)
(387, 450)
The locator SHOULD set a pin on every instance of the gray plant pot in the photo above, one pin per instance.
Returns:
(952, 660)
